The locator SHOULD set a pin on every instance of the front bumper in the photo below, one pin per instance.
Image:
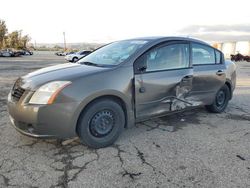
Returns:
(68, 58)
(43, 121)
(27, 129)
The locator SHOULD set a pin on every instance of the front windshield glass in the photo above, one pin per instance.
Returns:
(113, 54)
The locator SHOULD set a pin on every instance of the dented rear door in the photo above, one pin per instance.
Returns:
(209, 73)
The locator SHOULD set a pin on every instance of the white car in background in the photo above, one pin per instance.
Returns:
(76, 56)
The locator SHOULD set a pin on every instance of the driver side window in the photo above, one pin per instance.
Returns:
(172, 56)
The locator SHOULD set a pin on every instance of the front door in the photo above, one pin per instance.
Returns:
(163, 80)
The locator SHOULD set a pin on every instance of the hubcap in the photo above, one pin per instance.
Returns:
(102, 123)
(220, 98)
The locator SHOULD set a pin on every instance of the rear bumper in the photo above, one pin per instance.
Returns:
(43, 121)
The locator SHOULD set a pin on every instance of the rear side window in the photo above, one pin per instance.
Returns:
(217, 57)
(84, 53)
(202, 55)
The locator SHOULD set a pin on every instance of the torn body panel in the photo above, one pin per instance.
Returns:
(180, 102)
(163, 92)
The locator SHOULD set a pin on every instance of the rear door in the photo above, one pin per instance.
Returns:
(163, 78)
(209, 73)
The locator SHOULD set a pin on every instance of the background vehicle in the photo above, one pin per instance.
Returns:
(24, 52)
(7, 53)
(74, 57)
(14, 53)
(64, 53)
(59, 53)
(240, 57)
(119, 84)
(68, 53)
(28, 52)
(17, 53)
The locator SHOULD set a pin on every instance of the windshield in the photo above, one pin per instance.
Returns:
(79, 52)
(113, 54)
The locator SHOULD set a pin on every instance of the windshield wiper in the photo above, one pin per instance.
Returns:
(89, 63)
(94, 64)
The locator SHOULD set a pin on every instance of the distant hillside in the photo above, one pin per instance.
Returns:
(79, 46)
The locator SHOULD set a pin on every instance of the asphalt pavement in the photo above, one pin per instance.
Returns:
(204, 150)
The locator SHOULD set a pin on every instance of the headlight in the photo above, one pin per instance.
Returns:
(47, 93)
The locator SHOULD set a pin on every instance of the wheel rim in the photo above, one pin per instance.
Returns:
(102, 123)
(220, 98)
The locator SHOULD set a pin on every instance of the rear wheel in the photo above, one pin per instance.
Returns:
(101, 123)
(221, 100)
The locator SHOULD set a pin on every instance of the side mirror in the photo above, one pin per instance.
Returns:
(142, 68)
(140, 64)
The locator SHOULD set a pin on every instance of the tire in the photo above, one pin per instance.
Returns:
(221, 100)
(74, 59)
(101, 123)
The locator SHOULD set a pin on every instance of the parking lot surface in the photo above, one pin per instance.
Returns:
(204, 150)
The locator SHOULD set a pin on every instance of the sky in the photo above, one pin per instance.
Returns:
(104, 21)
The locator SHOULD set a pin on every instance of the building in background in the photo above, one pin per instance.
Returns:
(228, 48)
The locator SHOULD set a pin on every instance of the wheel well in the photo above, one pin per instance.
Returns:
(112, 97)
(229, 87)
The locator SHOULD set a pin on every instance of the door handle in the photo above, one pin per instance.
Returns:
(188, 77)
(220, 72)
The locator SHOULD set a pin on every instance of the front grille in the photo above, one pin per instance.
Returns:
(17, 91)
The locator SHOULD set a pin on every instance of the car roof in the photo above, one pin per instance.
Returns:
(166, 38)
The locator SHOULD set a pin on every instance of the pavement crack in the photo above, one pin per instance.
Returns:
(131, 175)
(68, 165)
(125, 172)
(141, 156)
(67, 161)
(143, 160)
(247, 133)
(239, 109)
(6, 180)
(240, 157)
(119, 150)
(243, 117)
(156, 145)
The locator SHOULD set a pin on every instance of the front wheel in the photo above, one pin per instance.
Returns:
(101, 123)
(221, 100)
(75, 59)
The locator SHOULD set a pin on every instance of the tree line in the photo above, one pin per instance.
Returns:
(14, 39)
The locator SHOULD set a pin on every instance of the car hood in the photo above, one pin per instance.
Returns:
(67, 71)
